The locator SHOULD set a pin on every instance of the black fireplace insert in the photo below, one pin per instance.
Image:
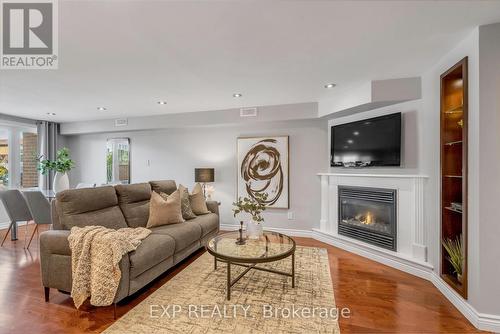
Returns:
(369, 215)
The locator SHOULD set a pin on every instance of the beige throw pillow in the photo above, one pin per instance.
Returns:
(187, 212)
(197, 200)
(163, 211)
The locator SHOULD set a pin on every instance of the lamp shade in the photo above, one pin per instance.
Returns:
(204, 175)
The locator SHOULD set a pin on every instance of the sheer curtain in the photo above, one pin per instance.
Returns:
(48, 133)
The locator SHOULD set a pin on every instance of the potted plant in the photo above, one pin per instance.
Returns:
(61, 165)
(254, 207)
(4, 175)
(455, 255)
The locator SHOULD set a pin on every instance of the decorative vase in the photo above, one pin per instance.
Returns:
(61, 182)
(459, 278)
(254, 230)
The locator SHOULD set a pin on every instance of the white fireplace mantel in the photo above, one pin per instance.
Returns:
(411, 238)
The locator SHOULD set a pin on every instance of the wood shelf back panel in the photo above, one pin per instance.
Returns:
(454, 113)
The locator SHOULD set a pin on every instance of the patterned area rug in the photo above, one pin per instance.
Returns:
(194, 301)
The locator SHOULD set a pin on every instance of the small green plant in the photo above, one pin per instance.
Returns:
(61, 164)
(4, 175)
(455, 253)
(253, 206)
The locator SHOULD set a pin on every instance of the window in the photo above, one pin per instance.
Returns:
(18, 157)
(4, 157)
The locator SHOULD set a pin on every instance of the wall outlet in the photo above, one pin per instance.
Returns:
(291, 215)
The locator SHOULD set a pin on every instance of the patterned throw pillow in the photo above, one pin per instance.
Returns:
(164, 209)
(197, 200)
(187, 212)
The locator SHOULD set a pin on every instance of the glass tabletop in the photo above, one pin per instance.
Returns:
(270, 246)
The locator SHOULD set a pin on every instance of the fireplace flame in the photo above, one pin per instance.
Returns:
(366, 219)
(369, 219)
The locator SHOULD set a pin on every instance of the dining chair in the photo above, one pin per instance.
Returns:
(39, 207)
(16, 208)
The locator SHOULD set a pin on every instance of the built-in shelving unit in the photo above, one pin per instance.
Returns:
(454, 108)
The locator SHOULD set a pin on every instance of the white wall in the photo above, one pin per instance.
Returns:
(174, 153)
(430, 156)
(488, 299)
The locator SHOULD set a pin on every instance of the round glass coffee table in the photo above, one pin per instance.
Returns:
(271, 246)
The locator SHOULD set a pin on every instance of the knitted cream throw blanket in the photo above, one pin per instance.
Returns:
(96, 252)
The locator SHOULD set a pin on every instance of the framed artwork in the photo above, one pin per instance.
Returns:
(263, 167)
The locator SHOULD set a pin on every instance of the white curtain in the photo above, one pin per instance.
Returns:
(48, 133)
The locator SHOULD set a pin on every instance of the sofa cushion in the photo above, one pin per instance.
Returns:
(152, 250)
(89, 206)
(208, 223)
(198, 201)
(164, 209)
(134, 202)
(164, 186)
(187, 212)
(184, 234)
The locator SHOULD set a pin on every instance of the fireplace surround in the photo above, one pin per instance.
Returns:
(368, 214)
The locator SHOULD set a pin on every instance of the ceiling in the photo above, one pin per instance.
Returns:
(126, 56)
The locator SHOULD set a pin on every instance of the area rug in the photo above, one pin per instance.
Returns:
(194, 301)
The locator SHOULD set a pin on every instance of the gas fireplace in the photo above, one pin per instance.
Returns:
(368, 214)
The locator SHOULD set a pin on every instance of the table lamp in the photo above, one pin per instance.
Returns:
(204, 176)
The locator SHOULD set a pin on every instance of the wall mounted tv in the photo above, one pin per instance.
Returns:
(370, 142)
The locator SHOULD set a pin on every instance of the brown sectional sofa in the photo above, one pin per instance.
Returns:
(117, 207)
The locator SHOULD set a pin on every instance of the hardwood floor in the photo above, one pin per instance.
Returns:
(381, 299)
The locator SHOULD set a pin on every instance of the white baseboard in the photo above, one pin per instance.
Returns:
(411, 266)
(482, 321)
(287, 231)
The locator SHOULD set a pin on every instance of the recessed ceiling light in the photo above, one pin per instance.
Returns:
(350, 141)
(356, 133)
(162, 102)
(330, 85)
(101, 108)
(237, 95)
(51, 113)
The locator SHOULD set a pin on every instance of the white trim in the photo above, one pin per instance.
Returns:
(287, 231)
(482, 321)
(392, 259)
(409, 176)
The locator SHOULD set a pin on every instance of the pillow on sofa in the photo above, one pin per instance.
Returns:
(187, 212)
(164, 209)
(198, 202)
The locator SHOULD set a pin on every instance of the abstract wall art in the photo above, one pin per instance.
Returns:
(263, 168)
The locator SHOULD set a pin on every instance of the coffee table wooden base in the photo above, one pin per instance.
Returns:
(230, 282)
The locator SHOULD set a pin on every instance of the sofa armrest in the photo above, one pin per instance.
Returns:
(55, 242)
(55, 260)
(213, 206)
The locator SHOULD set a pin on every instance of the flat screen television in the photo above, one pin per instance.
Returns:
(370, 142)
